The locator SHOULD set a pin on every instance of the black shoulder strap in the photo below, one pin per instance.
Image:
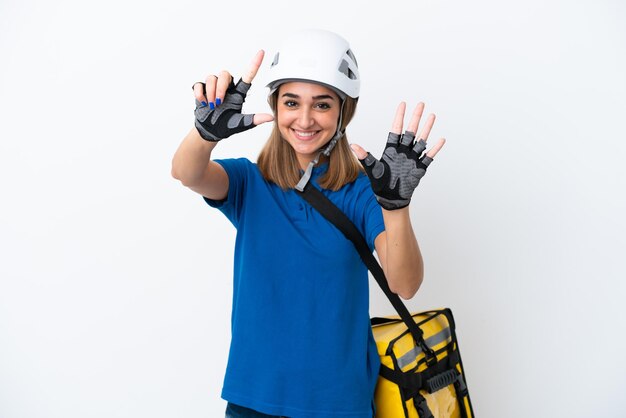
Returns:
(345, 225)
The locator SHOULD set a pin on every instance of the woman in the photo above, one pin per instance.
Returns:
(301, 340)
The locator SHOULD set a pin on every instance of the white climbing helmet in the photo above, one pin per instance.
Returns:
(316, 55)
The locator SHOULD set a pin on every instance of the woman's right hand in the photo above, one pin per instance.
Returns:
(219, 102)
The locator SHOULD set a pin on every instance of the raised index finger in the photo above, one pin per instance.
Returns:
(254, 67)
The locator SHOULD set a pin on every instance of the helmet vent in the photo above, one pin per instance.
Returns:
(351, 55)
(344, 68)
(275, 59)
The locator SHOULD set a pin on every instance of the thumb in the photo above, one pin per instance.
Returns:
(372, 166)
(261, 118)
(358, 151)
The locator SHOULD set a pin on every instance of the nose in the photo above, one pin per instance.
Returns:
(305, 118)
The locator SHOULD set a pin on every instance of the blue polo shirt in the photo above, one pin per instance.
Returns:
(302, 344)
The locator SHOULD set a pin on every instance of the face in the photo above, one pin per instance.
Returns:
(307, 117)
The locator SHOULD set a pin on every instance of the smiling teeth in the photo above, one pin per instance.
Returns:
(305, 133)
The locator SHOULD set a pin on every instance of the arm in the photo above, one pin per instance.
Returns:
(192, 165)
(399, 253)
(394, 179)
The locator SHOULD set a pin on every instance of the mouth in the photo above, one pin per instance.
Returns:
(305, 135)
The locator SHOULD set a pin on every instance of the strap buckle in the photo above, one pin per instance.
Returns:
(429, 353)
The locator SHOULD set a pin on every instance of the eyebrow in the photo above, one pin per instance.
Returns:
(321, 96)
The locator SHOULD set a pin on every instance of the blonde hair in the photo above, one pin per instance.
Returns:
(278, 162)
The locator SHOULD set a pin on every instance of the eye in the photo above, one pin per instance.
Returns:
(290, 103)
(323, 105)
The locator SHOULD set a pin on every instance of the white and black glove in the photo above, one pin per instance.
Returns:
(399, 171)
(215, 123)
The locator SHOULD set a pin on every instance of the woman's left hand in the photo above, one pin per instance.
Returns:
(402, 165)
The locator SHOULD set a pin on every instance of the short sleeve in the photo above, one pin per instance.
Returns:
(237, 170)
(372, 222)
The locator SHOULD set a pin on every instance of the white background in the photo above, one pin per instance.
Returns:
(116, 280)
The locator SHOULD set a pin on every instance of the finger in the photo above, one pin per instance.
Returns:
(358, 151)
(415, 117)
(254, 67)
(210, 90)
(223, 81)
(436, 148)
(396, 127)
(374, 168)
(242, 87)
(407, 138)
(419, 147)
(393, 139)
(427, 127)
(260, 118)
(198, 92)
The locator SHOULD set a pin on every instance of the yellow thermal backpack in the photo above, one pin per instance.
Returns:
(423, 378)
(421, 374)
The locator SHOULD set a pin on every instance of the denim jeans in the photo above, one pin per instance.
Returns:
(236, 411)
